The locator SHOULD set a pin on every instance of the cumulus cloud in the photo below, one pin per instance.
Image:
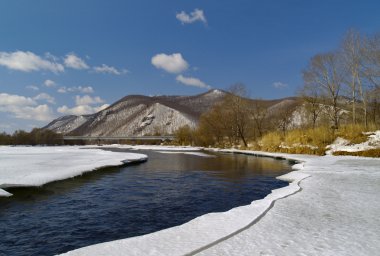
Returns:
(87, 100)
(45, 97)
(81, 109)
(109, 70)
(32, 87)
(73, 61)
(196, 15)
(173, 63)
(279, 85)
(49, 83)
(81, 89)
(40, 113)
(28, 61)
(192, 81)
(24, 108)
(15, 100)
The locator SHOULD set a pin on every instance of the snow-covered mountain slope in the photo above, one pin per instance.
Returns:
(66, 124)
(140, 115)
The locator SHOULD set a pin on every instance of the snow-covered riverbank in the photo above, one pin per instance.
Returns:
(331, 207)
(35, 166)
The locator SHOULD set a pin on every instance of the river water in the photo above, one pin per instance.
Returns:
(120, 202)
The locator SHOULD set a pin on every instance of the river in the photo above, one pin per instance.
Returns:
(120, 202)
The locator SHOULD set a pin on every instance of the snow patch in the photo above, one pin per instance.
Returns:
(341, 144)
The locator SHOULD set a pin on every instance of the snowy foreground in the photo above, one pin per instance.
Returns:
(331, 207)
(35, 166)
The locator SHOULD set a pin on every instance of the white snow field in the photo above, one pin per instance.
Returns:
(35, 166)
(331, 207)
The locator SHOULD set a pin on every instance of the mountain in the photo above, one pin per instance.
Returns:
(138, 115)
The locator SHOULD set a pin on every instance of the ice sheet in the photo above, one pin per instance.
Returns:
(35, 166)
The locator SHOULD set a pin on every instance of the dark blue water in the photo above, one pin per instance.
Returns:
(115, 203)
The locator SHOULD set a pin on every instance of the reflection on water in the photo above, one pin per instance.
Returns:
(114, 203)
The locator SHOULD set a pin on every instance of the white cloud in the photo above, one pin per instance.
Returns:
(196, 15)
(24, 108)
(173, 63)
(109, 70)
(73, 61)
(28, 61)
(81, 89)
(192, 81)
(49, 83)
(87, 100)
(279, 85)
(45, 97)
(15, 100)
(81, 109)
(32, 87)
(40, 113)
(62, 90)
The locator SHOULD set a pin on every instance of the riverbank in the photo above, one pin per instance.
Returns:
(36, 166)
(329, 208)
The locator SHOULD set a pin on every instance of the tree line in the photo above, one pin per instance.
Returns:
(341, 87)
(35, 137)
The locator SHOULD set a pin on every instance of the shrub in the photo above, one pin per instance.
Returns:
(184, 135)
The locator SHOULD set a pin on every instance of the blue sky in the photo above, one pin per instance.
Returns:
(75, 57)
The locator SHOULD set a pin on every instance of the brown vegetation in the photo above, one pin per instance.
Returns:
(35, 137)
(365, 153)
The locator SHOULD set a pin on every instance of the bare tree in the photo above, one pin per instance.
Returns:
(371, 60)
(325, 74)
(312, 102)
(370, 70)
(238, 105)
(284, 115)
(352, 59)
(259, 114)
(374, 104)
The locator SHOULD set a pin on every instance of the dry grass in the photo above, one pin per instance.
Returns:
(298, 141)
(313, 141)
(365, 153)
(271, 142)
